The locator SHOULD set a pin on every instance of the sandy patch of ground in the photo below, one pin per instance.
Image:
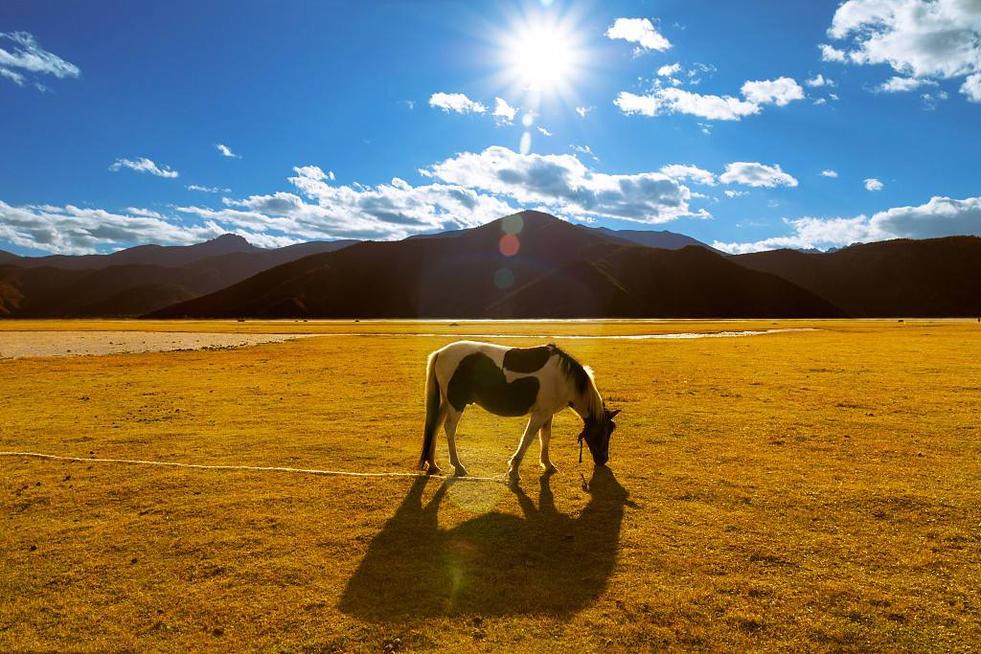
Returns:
(18, 345)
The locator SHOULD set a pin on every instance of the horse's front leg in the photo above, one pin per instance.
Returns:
(534, 424)
(544, 436)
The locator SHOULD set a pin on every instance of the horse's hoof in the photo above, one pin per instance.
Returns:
(460, 471)
(433, 469)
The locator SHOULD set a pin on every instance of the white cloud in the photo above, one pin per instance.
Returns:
(972, 87)
(781, 91)
(673, 100)
(757, 175)
(456, 102)
(818, 81)
(930, 100)
(544, 132)
(226, 151)
(208, 189)
(829, 173)
(26, 58)
(831, 53)
(13, 76)
(729, 193)
(685, 171)
(583, 111)
(315, 172)
(466, 190)
(872, 184)
(918, 38)
(503, 112)
(563, 184)
(941, 216)
(584, 149)
(640, 31)
(903, 84)
(669, 70)
(75, 230)
(697, 70)
(143, 165)
(320, 209)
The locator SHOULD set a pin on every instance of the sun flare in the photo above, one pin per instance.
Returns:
(543, 55)
(543, 58)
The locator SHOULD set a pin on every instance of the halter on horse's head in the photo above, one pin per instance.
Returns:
(596, 431)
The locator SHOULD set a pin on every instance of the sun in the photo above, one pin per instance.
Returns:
(542, 57)
(543, 54)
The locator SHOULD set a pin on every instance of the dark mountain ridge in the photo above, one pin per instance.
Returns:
(653, 238)
(939, 277)
(560, 270)
(134, 281)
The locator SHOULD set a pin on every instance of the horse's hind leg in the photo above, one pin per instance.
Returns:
(452, 420)
(544, 436)
(431, 466)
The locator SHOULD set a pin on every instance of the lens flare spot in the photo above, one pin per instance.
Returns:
(509, 245)
(525, 145)
(504, 278)
(512, 224)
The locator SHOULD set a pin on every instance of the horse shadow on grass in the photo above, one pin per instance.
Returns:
(492, 565)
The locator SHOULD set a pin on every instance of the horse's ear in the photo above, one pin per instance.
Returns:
(612, 414)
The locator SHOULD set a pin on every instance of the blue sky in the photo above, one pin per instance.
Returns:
(385, 119)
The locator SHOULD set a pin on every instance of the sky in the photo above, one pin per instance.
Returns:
(747, 125)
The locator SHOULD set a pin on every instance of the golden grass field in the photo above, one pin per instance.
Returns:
(812, 490)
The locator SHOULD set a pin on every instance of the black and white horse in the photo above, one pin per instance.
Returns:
(534, 381)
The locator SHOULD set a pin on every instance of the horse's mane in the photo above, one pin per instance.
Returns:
(582, 380)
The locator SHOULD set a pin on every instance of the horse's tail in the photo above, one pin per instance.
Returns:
(432, 410)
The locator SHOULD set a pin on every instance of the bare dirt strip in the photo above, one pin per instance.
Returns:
(18, 345)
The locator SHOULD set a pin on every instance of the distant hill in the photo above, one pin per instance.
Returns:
(925, 278)
(654, 239)
(560, 270)
(637, 282)
(650, 238)
(173, 255)
(134, 281)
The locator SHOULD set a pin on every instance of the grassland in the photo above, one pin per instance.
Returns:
(814, 490)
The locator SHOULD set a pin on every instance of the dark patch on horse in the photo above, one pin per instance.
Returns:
(527, 359)
(477, 379)
(573, 369)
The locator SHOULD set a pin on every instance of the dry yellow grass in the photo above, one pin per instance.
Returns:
(798, 491)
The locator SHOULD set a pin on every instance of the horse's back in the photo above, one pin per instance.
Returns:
(500, 379)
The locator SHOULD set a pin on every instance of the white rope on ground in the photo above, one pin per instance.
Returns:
(205, 466)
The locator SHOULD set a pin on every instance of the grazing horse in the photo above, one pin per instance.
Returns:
(534, 381)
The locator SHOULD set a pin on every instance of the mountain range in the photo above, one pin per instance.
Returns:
(529, 265)
(137, 280)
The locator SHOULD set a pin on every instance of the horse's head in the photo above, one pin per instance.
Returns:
(597, 431)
